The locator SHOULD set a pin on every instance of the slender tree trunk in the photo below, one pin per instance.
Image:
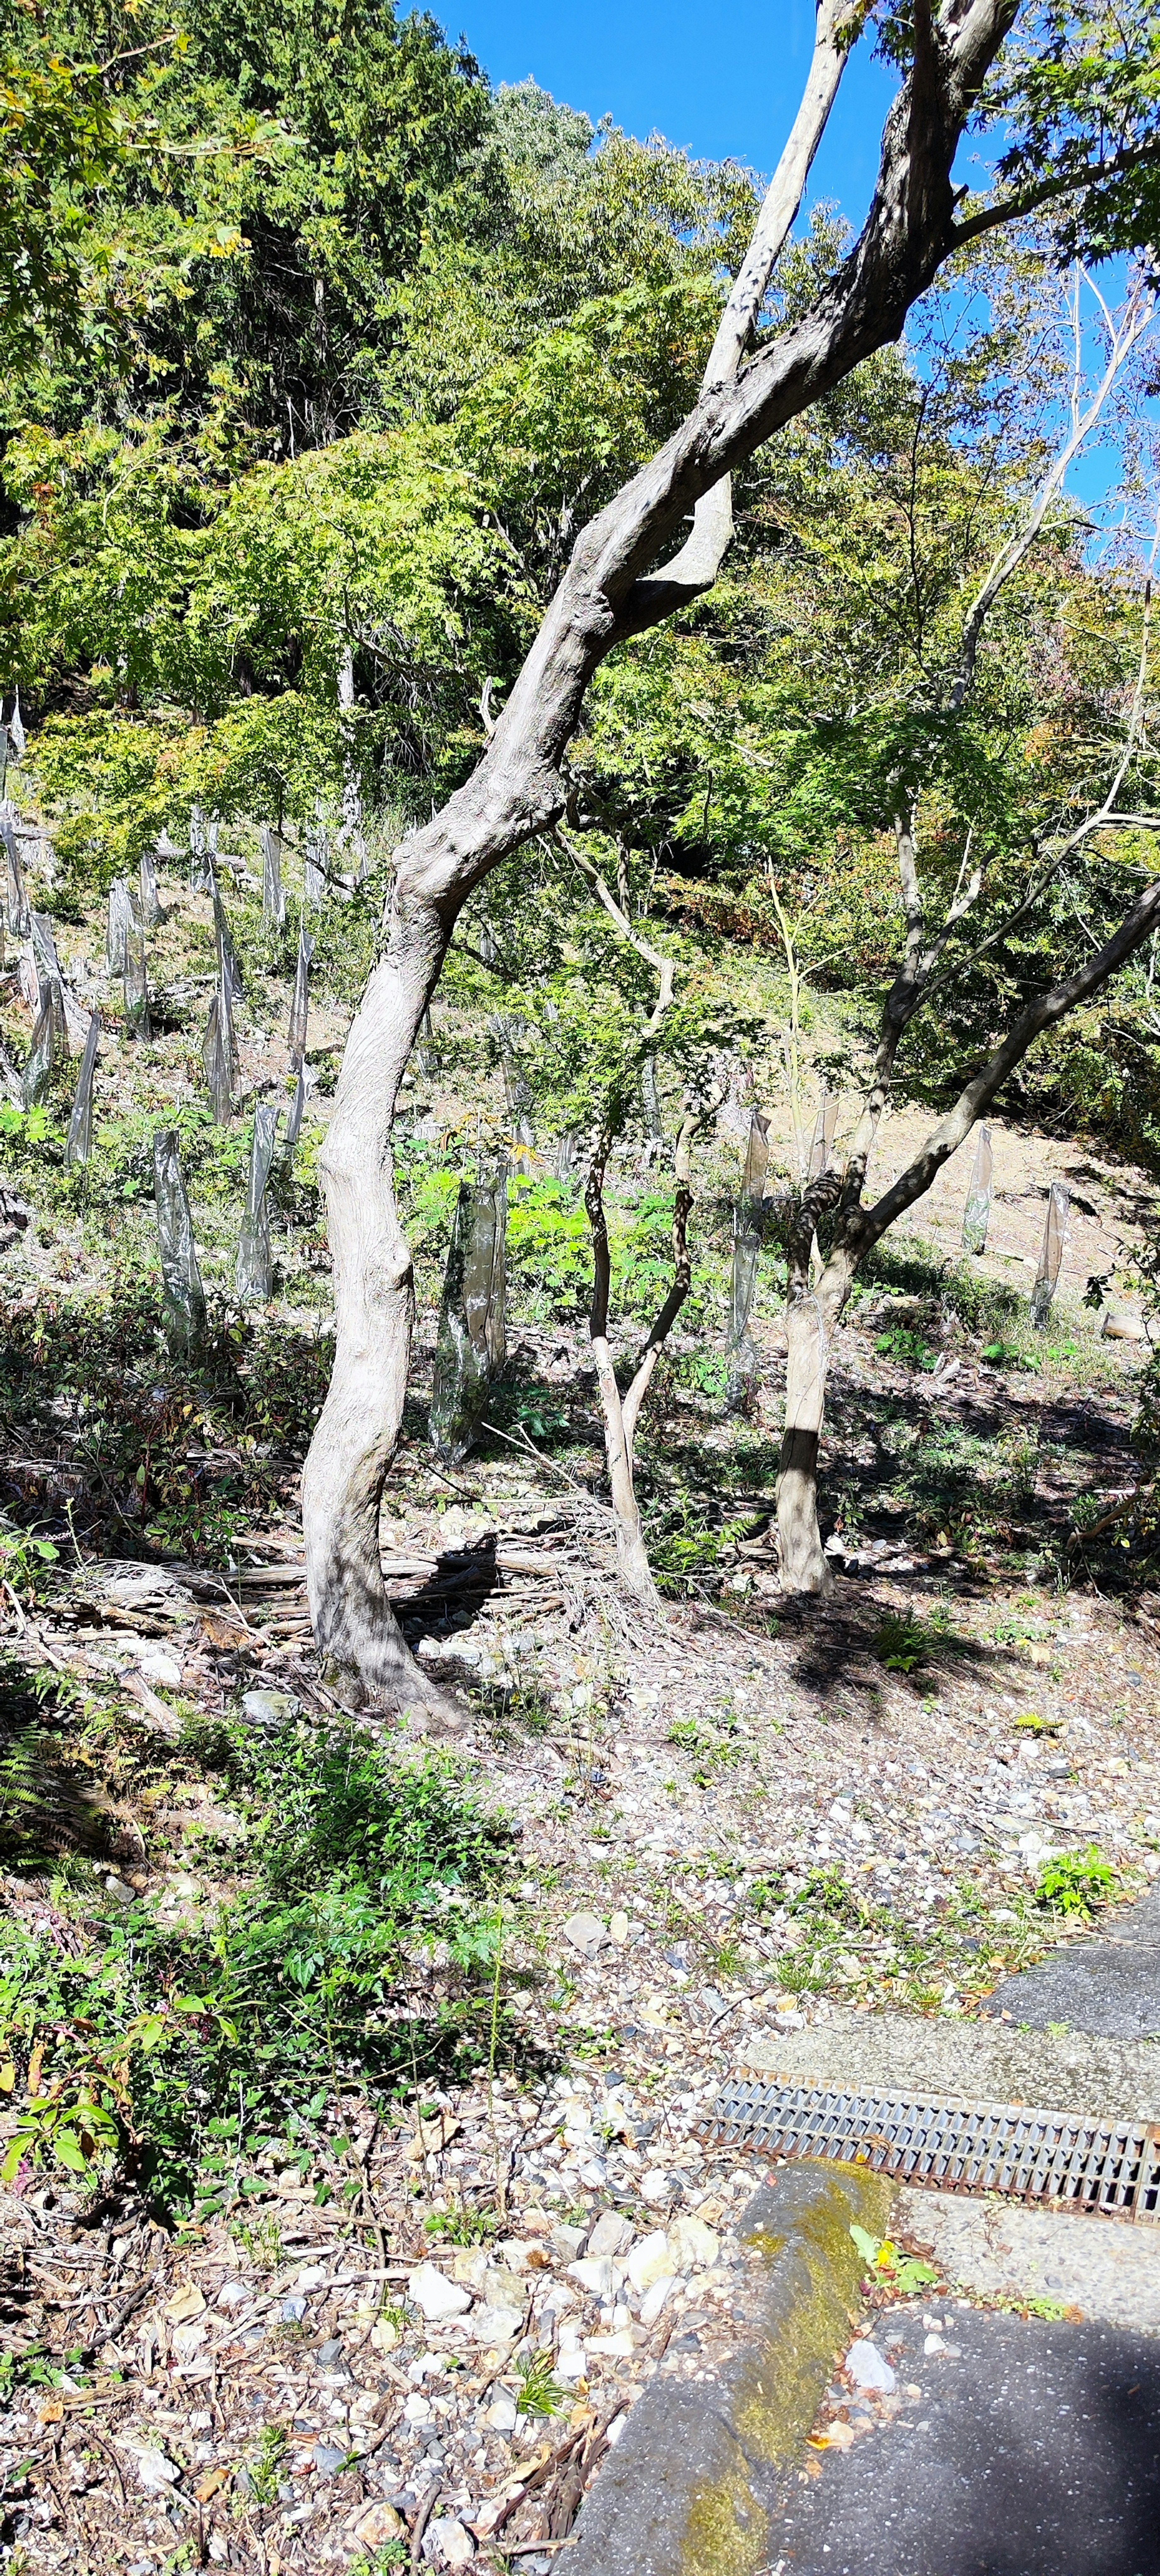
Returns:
(811, 1316)
(631, 1558)
(358, 1430)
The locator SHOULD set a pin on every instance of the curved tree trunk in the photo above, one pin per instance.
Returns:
(617, 584)
(357, 1431)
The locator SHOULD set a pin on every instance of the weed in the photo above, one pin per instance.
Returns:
(169, 2044)
(539, 2392)
(382, 2561)
(903, 1642)
(1008, 1355)
(263, 2473)
(1075, 1883)
(712, 1749)
(261, 2239)
(900, 1343)
(902, 2274)
(24, 1562)
(462, 2226)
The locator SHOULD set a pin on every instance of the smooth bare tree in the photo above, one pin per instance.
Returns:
(622, 1412)
(616, 585)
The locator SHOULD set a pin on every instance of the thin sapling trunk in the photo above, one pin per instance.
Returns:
(622, 1412)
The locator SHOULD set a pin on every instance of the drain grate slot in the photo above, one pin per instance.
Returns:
(1044, 2157)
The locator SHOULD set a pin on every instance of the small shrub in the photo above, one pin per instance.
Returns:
(900, 1343)
(1076, 1883)
(903, 1642)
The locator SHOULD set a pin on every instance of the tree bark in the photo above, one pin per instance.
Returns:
(357, 1432)
(811, 1317)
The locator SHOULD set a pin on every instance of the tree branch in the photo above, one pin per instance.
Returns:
(693, 1120)
(1010, 210)
(655, 957)
(866, 1226)
(1137, 321)
(837, 28)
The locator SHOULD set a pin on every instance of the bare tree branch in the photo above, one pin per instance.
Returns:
(838, 24)
(866, 1226)
(1010, 210)
(1124, 338)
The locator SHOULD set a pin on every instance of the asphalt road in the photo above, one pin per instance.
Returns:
(1032, 2451)
(1109, 1983)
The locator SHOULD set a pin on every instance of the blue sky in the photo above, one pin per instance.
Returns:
(719, 81)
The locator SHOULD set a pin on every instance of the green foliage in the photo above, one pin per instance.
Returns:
(902, 1344)
(265, 2468)
(462, 2226)
(141, 2037)
(903, 1641)
(1076, 1883)
(540, 2393)
(903, 2275)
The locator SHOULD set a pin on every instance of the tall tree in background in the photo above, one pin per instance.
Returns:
(614, 587)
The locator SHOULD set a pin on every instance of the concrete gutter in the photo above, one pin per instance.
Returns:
(1100, 2077)
(679, 2495)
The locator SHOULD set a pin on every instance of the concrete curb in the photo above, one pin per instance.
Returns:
(679, 2492)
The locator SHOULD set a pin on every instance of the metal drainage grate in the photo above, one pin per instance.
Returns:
(1041, 2156)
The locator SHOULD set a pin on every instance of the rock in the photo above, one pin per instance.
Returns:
(417, 2408)
(566, 2241)
(650, 2261)
(269, 1708)
(185, 2304)
(503, 2289)
(379, 2524)
(1121, 1325)
(469, 2265)
(120, 1890)
(594, 2275)
(938, 2343)
(157, 1666)
(865, 2368)
(611, 2235)
(497, 2325)
(570, 2365)
(326, 2459)
(654, 2300)
(660, 2187)
(233, 2294)
(586, 1932)
(292, 2311)
(502, 2415)
(693, 2245)
(454, 2547)
(518, 2256)
(434, 2295)
(155, 2473)
(619, 1928)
